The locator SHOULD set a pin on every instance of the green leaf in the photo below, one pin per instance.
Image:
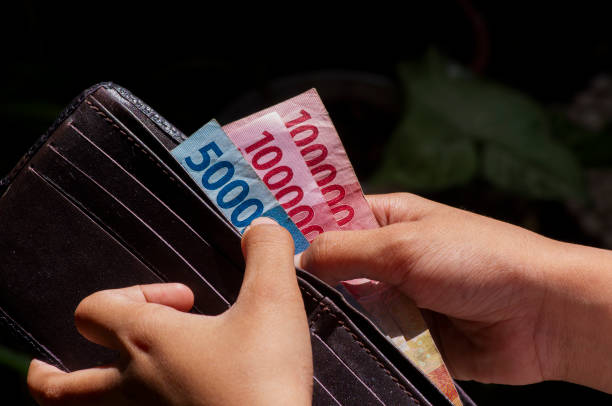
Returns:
(424, 154)
(508, 171)
(451, 111)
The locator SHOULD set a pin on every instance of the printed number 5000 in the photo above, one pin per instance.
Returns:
(232, 193)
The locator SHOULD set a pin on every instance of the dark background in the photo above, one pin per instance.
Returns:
(192, 64)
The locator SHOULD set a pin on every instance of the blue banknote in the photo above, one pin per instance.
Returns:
(230, 182)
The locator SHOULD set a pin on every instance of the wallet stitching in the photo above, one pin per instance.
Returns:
(130, 138)
(154, 116)
(328, 310)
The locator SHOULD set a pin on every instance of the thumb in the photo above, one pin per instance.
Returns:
(102, 315)
(378, 254)
(269, 278)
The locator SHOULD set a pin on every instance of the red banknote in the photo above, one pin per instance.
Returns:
(314, 134)
(267, 145)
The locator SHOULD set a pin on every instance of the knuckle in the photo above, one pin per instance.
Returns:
(139, 333)
(319, 249)
(413, 207)
(400, 240)
(400, 255)
(402, 199)
(268, 235)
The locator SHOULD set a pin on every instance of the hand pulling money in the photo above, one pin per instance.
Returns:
(287, 162)
(230, 182)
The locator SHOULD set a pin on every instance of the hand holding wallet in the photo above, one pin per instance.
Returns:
(99, 203)
(256, 353)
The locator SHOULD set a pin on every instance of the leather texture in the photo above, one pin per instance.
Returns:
(98, 203)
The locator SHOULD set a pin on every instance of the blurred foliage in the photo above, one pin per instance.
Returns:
(456, 127)
(14, 360)
(13, 371)
(591, 148)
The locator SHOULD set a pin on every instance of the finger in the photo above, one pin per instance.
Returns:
(397, 207)
(49, 385)
(101, 316)
(377, 254)
(269, 278)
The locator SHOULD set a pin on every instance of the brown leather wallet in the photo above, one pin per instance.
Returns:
(98, 203)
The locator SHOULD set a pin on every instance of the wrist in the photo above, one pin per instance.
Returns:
(574, 335)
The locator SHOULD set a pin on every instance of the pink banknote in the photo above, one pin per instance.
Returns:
(314, 134)
(267, 145)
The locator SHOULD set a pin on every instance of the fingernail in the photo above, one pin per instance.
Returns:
(263, 220)
(354, 292)
(297, 260)
(259, 221)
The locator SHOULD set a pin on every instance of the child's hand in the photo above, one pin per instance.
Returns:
(257, 352)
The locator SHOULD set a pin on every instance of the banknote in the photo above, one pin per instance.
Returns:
(314, 134)
(267, 145)
(401, 321)
(213, 161)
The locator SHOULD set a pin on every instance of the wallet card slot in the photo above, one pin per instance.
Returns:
(321, 396)
(67, 257)
(205, 261)
(346, 342)
(170, 133)
(338, 378)
(361, 331)
(117, 219)
(136, 157)
(330, 365)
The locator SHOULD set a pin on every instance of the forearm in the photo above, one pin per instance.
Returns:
(576, 334)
